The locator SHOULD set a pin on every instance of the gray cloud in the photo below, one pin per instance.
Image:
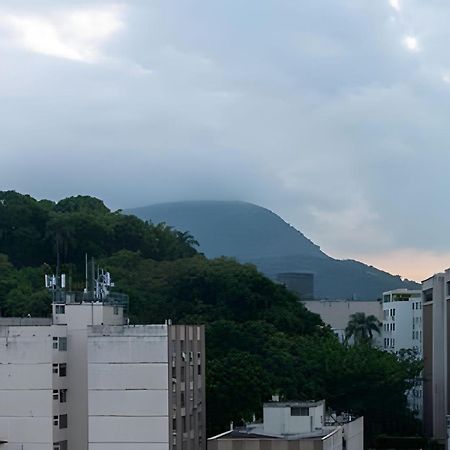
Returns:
(318, 110)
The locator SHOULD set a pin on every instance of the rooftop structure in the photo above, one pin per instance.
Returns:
(304, 424)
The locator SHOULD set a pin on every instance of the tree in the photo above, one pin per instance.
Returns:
(362, 327)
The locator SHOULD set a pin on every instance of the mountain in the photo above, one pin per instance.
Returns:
(254, 234)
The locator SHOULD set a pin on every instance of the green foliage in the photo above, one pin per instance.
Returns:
(260, 339)
(33, 232)
(362, 327)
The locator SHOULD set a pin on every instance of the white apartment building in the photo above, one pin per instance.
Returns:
(85, 380)
(402, 329)
(402, 320)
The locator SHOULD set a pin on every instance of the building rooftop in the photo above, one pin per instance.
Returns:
(25, 321)
(256, 431)
(294, 404)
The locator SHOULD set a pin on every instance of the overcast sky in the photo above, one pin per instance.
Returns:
(334, 114)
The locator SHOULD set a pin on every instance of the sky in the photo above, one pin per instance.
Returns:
(335, 115)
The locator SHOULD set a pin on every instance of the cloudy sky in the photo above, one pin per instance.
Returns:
(333, 114)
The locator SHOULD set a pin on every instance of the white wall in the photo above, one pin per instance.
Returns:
(278, 419)
(128, 381)
(354, 434)
(26, 386)
(336, 313)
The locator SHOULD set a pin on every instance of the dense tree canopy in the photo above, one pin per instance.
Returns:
(260, 339)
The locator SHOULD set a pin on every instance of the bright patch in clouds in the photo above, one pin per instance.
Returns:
(395, 4)
(411, 43)
(75, 34)
(411, 263)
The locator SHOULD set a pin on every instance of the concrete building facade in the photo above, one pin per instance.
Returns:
(402, 320)
(402, 330)
(436, 337)
(85, 380)
(336, 313)
(294, 426)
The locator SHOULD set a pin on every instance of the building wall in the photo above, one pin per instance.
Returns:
(428, 368)
(128, 387)
(76, 318)
(27, 384)
(279, 420)
(402, 329)
(336, 313)
(435, 355)
(187, 427)
(354, 434)
(402, 320)
(271, 444)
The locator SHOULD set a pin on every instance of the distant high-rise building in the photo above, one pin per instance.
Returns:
(301, 283)
(86, 380)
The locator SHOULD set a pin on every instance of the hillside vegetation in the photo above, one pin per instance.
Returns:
(256, 235)
(260, 339)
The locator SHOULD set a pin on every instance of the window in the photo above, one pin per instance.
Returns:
(116, 310)
(299, 411)
(183, 375)
(55, 421)
(55, 394)
(63, 370)
(62, 344)
(199, 369)
(55, 343)
(182, 400)
(60, 309)
(55, 368)
(174, 386)
(174, 424)
(62, 421)
(60, 445)
(62, 395)
(183, 429)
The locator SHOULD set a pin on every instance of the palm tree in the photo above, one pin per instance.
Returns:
(362, 327)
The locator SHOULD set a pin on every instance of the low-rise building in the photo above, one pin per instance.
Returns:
(296, 426)
(336, 313)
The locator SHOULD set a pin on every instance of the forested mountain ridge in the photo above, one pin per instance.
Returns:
(256, 235)
(259, 339)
